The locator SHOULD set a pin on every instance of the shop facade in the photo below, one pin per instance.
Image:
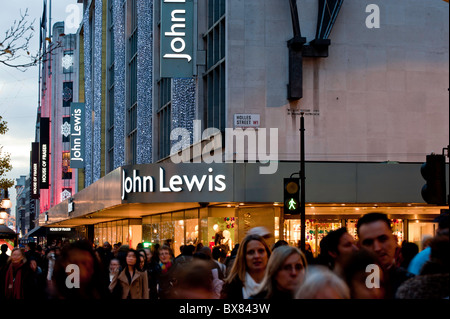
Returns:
(214, 204)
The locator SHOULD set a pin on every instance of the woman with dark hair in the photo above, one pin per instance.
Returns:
(284, 273)
(335, 249)
(132, 281)
(248, 269)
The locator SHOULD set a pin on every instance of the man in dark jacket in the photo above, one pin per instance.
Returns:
(375, 234)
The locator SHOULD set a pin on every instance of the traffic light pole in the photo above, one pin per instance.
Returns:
(302, 184)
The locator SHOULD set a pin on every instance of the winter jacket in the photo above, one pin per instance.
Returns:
(137, 289)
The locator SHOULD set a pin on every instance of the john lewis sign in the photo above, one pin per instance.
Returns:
(177, 38)
(77, 135)
(177, 183)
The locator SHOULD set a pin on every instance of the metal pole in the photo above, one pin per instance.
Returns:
(302, 184)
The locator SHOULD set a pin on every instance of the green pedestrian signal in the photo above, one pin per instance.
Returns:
(292, 204)
(291, 193)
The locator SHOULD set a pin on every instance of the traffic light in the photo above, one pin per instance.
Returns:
(291, 196)
(433, 171)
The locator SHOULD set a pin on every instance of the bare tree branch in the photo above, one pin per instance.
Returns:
(14, 47)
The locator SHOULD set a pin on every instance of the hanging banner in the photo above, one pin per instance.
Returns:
(77, 135)
(35, 170)
(177, 38)
(44, 160)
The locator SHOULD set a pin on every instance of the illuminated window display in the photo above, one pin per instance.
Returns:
(175, 229)
(351, 228)
(222, 232)
(419, 230)
(397, 229)
(112, 232)
(315, 231)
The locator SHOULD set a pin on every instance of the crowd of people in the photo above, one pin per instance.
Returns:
(373, 267)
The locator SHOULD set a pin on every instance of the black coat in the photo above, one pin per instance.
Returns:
(160, 284)
(232, 290)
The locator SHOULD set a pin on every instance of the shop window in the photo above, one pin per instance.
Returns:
(164, 116)
(67, 61)
(66, 170)
(397, 230)
(65, 129)
(420, 230)
(179, 233)
(316, 230)
(222, 228)
(215, 75)
(67, 93)
(167, 231)
(351, 228)
(191, 226)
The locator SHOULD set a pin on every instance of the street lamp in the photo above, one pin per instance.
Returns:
(6, 202)
(3, 213)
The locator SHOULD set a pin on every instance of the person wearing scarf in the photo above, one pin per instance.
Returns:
(161, 278)
(15, 275)
(247, 272)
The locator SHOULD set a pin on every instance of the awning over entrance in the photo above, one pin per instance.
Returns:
(36, 232)
(6, 232)
(333, 187)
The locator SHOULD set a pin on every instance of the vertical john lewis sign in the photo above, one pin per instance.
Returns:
(177, 38)
(77, 135)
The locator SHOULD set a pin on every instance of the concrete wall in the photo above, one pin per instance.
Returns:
(382, 93)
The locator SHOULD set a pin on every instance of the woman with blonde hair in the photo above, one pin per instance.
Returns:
(284, 273)
(322, 283)
(248, 269)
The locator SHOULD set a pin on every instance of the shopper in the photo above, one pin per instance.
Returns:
(284, 274)
(3, 256)
(132, 281)
(229, 261)
(375, 234)
(148, 254)
(218, 258)
(407, 252)
(335, 249)
(248, 269)
(194, 281)
(364, 275)
(79, 265)
(416, 264)
(16, 278)
(161, 273)
(433, 281)
(51, 257)
(114, 269)
(31, 252)
(322, 283)
(308, 252)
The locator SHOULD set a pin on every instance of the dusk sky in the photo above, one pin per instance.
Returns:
(19, 90)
